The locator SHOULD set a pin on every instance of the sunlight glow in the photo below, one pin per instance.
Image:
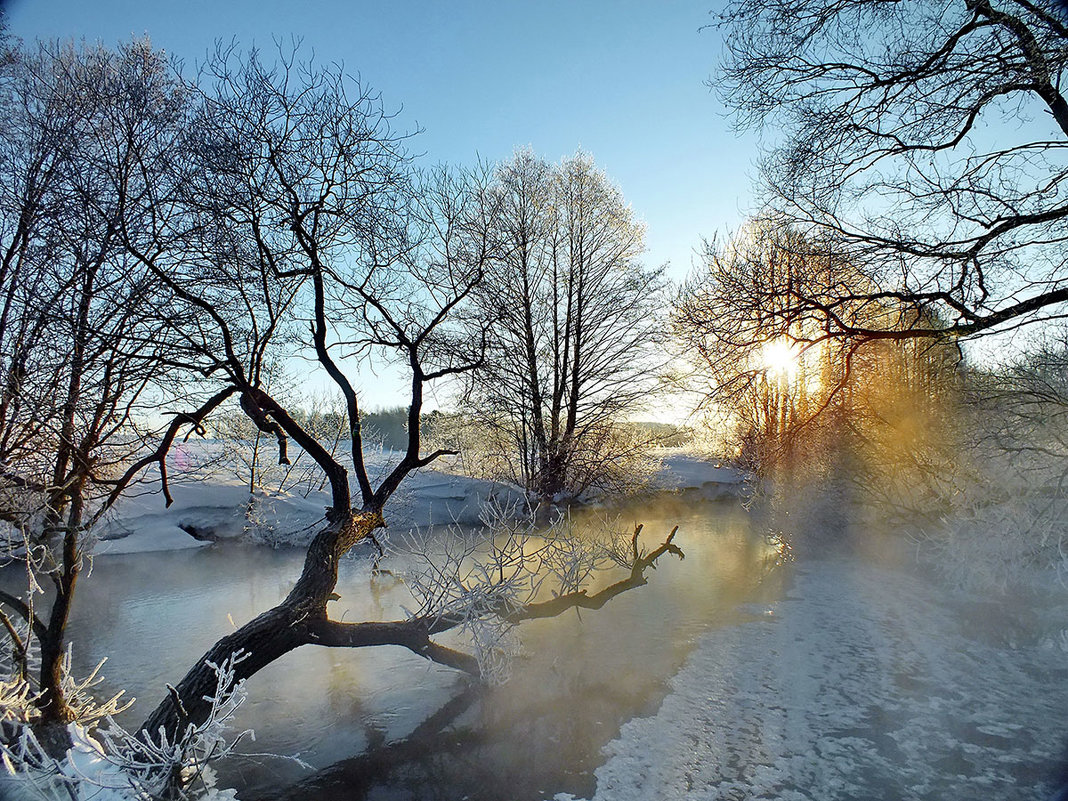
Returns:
(779, 359)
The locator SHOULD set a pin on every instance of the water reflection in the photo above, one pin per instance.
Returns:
(384, 723)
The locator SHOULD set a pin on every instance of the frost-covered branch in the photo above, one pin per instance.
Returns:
(113, 763)
(485, 583)
(581, 599)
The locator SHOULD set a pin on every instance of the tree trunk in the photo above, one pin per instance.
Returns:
(52, 701)
(273, 634)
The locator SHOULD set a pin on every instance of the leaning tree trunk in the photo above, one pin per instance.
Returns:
(301, 619)
(296, 621)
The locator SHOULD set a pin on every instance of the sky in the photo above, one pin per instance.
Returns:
(624, 80)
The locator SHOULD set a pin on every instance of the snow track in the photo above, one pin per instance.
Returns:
(864, 683)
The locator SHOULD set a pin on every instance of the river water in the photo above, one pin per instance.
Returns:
(383, 723)
(849, 673)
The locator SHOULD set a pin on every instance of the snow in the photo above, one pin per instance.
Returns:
(219, 507)
(865, 682)
(713, 479)
(87, 774)
(86, 759)
(213, 508)
(147, 535)
(431, 497)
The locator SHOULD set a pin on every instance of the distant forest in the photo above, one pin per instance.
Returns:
(388, 428)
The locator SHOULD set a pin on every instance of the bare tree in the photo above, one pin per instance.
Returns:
(575, 328)
(795, 398)
(921, 140)
(82, 332)
(164, 243)
(294, 223)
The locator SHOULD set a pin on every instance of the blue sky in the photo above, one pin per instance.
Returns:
(622, 79)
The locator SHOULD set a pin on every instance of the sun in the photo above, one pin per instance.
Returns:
(779, 358)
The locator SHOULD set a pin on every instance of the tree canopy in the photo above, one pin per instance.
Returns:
(924, 140)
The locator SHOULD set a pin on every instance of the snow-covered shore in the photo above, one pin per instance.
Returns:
(864, 683)
(712, 478)
(220, 507)
(206, 511)
(869, 680)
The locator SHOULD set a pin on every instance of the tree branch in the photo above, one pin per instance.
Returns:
(39, 629)
(159, 455)
(581, 599)
(411, 634)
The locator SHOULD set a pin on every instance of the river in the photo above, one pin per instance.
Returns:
(348, 713)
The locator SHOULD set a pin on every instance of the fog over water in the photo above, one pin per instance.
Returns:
(824, 670)
(579, 678)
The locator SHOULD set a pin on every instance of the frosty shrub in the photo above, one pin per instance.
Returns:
(480, 580)
(113, 764)
(995, 544)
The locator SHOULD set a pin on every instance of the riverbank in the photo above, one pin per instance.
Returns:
(866, 681)
(221, 508)
(849, 673)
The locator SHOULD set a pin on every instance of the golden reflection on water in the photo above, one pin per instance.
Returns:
(579, 676)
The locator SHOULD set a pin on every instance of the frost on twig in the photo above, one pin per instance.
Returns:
(485, 582)
(156, 764)
(138, 768)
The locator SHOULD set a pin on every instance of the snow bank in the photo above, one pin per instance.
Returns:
(87, 774)
(711, 478)
(139, 536)
(219, 507)
(864, 683)
(430, 498)
(202, 511)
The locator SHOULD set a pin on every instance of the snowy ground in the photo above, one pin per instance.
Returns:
(220, 507)
(865, 683)
(683, 471)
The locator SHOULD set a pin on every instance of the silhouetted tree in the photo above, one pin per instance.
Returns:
(576, 324)
(920, 140)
